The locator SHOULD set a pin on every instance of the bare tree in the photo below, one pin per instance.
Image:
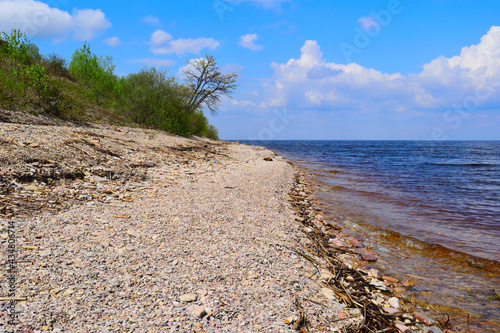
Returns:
(207, 83)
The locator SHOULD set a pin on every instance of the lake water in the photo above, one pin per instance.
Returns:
(430, 209)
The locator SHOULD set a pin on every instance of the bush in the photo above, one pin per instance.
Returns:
(153, 99)
(95, 72)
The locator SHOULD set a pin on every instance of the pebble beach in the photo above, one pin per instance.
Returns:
(130, 230)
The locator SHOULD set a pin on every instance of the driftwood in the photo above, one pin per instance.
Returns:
(355, 293)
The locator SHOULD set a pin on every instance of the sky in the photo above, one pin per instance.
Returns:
(307, 69)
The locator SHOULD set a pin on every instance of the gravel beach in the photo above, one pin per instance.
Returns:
(195, 241)
(132, 230)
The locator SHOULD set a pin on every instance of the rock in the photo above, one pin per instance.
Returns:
(425, 319)
(269, 159)
(114, 283)
(337, 242)
(375, 273)
(394, 302)
(402, 327)
(390, 310)
(349, 278)
(432, 329)
(390, 279)
(326, 275)
(368, 256)
(408, 283)
(379, 285)
(46, 253)
(189, 297)
(209, 310)
(201, 292)
(68, 292)
(199, 311)
(328, 293)
(355, 243)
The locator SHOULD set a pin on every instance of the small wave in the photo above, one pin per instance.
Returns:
(460, 164)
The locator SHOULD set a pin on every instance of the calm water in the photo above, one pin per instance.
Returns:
(435, 203)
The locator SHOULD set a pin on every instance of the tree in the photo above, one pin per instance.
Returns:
(95, 72)
(207, 83)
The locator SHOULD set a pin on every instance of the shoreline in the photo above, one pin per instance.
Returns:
(124, 229)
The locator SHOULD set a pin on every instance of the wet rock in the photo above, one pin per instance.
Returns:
(425, 319)
(368, 256)
(408, 283)
(390, 279)
(432, 329)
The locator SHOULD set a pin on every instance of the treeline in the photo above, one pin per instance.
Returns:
(151, 98)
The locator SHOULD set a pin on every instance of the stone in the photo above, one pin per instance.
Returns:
(390, 279)
(408, 283)
(374, 273)
(114, 283)
(199, 311)
(46, 253)
(379, 285)
(349, 278)
(402, 327)
(368, 256)
(328, 293)
(394, 302)
(432, 329)
(390, 310)
(188, 297)
(68, 292)
(326, 275)
(425, 319)
(355, 243)
(201, 292)
(269, 159)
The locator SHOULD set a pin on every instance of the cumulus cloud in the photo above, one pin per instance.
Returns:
(163, 43)
(153, 62)
(312, 82)
(38, 19)
(160, 37)
(248, 41)
(112, 41)
(150, 19)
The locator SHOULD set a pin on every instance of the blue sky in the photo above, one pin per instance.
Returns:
(396, 69)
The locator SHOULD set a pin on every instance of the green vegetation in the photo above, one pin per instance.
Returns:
(88, 89)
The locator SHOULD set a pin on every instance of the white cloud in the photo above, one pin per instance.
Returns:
(112, 41)
(162, 43)
(150, 19)
(248, 41)
(38, 19)
(368, 23)
(311, 82)
(160, 37)
(153, 62)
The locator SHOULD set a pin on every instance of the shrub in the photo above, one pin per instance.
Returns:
(95, 72)
(151, 98)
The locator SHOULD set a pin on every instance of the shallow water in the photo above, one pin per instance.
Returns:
(431, 210)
